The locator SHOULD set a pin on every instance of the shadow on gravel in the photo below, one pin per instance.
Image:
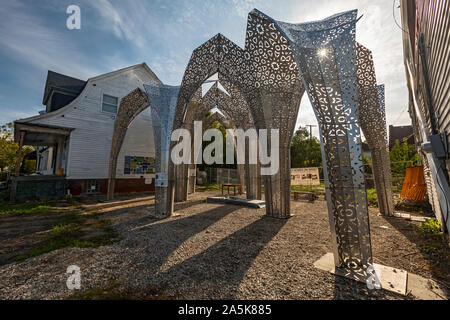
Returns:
(118, 203)
(225, 264)
(161, 238)
(187, 205)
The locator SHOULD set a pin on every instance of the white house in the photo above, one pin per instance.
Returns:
(74, 133)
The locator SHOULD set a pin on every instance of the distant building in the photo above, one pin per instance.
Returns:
(74, 134)
(400, 133)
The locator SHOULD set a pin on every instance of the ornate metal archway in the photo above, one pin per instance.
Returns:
(273, 91)
(372, 118)
(197, 110)
(267, 81)
(217, 55)
(325, 53)
(234, 106)
(130, 106)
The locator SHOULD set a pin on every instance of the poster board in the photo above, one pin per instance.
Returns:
(305, 177)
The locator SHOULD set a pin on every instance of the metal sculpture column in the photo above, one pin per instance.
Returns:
(372, 118)
(163, 101)
(325, 52)
(273, 91)
(385, 157)
(381, 163)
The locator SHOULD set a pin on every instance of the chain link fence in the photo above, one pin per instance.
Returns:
(221, 176)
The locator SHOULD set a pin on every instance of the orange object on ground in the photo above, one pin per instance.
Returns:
(414, 186)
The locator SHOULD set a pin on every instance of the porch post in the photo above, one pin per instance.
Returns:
(59, 153)
(19, 154)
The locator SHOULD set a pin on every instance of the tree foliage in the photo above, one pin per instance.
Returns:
(403, 156)
(217, 125)
(8, 148)
(305, 153)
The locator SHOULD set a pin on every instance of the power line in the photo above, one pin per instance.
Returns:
(399, 117)
(310, 133)
(393, 15)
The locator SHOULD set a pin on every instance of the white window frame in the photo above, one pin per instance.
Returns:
(101, 105)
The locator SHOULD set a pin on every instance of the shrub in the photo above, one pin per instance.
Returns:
(431, 227)
(372, 198)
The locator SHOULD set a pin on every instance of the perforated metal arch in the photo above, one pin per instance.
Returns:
(130, 106)
(372, 118)
(273, 91)
(325, 53)
(217, 55)
(233, 105)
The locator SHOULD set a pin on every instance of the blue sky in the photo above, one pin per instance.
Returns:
(117, 34)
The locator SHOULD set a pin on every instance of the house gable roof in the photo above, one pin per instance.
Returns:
(136, 66)
(62, 82)
(90, 80)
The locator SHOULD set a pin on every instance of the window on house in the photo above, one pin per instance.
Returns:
(92, 186)
(110, 103)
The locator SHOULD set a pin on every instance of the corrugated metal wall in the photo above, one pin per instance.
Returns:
(426, 44)
(433, 22)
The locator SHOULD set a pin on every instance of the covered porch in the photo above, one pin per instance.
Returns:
(51, 142)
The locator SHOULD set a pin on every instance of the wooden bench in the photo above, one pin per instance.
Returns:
(234, 186)
(311, 196)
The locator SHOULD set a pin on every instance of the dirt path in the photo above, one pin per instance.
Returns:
(210, 251)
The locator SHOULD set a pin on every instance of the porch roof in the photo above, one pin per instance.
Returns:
(39, 134)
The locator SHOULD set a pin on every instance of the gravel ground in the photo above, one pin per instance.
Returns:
(210, 251)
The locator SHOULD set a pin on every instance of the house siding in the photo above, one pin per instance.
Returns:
(433, 21)
(90, 141)
(429, 86)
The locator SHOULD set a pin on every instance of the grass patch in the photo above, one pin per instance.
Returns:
(210, 187)
(319, 190)
(434, 246)
(115, 291)
(421, 207)
(431, 228)
(372, 198)
(77, 229)
(27, 208)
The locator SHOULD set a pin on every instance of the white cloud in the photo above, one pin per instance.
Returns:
(26, 38)
(243, 7)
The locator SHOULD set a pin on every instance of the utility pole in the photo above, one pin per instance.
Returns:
(310, 133)
(310, 141)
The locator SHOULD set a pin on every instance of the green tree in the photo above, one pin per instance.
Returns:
(305, 153)
(403, 156)
(219, 126)
(8, 148)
